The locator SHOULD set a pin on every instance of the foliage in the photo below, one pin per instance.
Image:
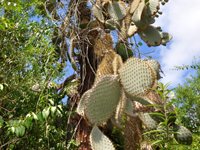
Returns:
(187, 96)
(164, 136)
(28, 65)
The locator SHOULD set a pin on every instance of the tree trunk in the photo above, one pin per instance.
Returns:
(87, 79)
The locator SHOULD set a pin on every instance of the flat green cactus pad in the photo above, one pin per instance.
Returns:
(103, 100)
(116, 11)
(137, 76)
(119, 113)
(139, 17)
(149, 123)
(99, 141)
(185, 136)
(156, 66)
(141, 99)
(92, 23)
(153, 6)
(166, 37)
(115, 122)
(151, 20)
(129, 108)
(80, 108)
(98, 14)
(112, 24)
(134, 6)
(150, 36)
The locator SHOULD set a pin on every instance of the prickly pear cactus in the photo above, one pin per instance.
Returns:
(117, 11)
(99, 141)
(184, 136)
(103, 100)
(150, 36)
(137, 77)
(122, 84)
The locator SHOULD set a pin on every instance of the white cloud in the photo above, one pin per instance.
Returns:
(181, 19)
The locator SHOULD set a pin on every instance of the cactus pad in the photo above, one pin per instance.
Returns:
(149, 123)
(120, 108)
(80, 108)
(129, 108)
(156, 66)
(150, 36)
(116, 11)
(115, 122)
(139, 17)
(103, 100)
(99, 141)
(141, 99)
(153, 6)
(151, 20)
(92, 24)
(112, 24)
(166, 37)
(185, 136)
(134, 6)
(98, 14)
(132, 29)
(137, 77)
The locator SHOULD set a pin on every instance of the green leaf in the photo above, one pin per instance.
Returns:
(160, 93)
(156, 142)
(140, 43)
(53, 109)
(1, 87)
(21, 130)
(28, 122)
(45, 112)
(1, 121)
(159, 114)
(156, 105)
(40, 117)
(17, 131)
(12, 129)
(154, 131)
(51, 101)
(170, 103)
(34, 116)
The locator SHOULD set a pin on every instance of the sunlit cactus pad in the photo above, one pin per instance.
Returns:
(103, 100)
(120, 107)
(132, 29)
(139, 17)
(116, 11)
(151, 36)
(185, 136)
(80, 108)
(166, 37)
(99, 141)
(153, 6)
(98, 14)
(156, 66)
(137, 76)
(134, 6)
(149, 123)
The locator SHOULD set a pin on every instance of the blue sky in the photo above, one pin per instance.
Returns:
(181, 18)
